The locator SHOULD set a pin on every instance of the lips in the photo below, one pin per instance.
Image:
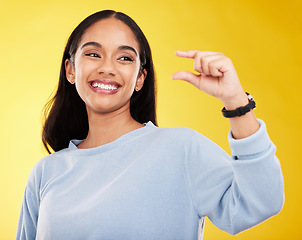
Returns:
(104, 86)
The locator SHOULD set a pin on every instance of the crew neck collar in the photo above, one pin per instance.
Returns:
(149, 126)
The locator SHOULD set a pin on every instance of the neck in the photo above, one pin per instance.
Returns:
(105, 128)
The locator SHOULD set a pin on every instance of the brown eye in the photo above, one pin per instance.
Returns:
(126, 58)
(92, 55)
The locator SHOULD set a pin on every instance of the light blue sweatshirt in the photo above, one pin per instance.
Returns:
(152, 183)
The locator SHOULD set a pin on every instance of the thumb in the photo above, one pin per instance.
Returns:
(188, 77)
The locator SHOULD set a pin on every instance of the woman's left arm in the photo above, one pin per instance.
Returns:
(242, 191)
(217, 77)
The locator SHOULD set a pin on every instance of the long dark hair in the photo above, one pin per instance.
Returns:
(65, 113)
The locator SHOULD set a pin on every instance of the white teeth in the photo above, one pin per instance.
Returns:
(103, 86)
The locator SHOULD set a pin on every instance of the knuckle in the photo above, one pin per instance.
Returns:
(198, 55)
(228, 60)
(212, 66)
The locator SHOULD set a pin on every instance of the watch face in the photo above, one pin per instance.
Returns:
(249, 96)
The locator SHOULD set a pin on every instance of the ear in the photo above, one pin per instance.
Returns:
(69, 71)
(140, 80)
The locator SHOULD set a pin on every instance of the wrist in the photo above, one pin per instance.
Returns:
(240, 101)
(239, 111)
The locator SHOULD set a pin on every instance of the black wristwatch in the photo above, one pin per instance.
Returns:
(241, 110)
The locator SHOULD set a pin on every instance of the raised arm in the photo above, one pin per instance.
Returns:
(217, 77)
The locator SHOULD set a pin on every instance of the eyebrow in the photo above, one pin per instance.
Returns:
(91, 44)
(123, 47)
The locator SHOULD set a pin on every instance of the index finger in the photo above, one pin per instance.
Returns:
(194, 53)
(186, 54)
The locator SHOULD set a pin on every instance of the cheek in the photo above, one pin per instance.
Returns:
(83, 70)
(82, 74)
(130, 74)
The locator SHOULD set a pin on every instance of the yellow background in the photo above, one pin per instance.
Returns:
(263, 38)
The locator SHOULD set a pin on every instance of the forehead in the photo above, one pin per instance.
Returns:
(110, 32)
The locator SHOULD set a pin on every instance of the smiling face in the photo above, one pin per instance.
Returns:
(106, 67)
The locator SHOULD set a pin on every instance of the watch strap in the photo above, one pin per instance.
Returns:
(241, 110)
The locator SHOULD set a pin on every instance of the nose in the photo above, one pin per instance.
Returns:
(107, 67)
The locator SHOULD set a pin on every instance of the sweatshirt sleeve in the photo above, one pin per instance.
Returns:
(28, 219)
(239, 191)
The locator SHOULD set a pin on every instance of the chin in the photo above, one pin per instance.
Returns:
(108, 108)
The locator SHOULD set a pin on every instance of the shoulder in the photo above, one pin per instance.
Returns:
(45, 166)
(180, 135)
(190, 141)
(177, 133)
(53, 158)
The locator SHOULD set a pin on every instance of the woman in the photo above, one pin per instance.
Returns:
(129, 179)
